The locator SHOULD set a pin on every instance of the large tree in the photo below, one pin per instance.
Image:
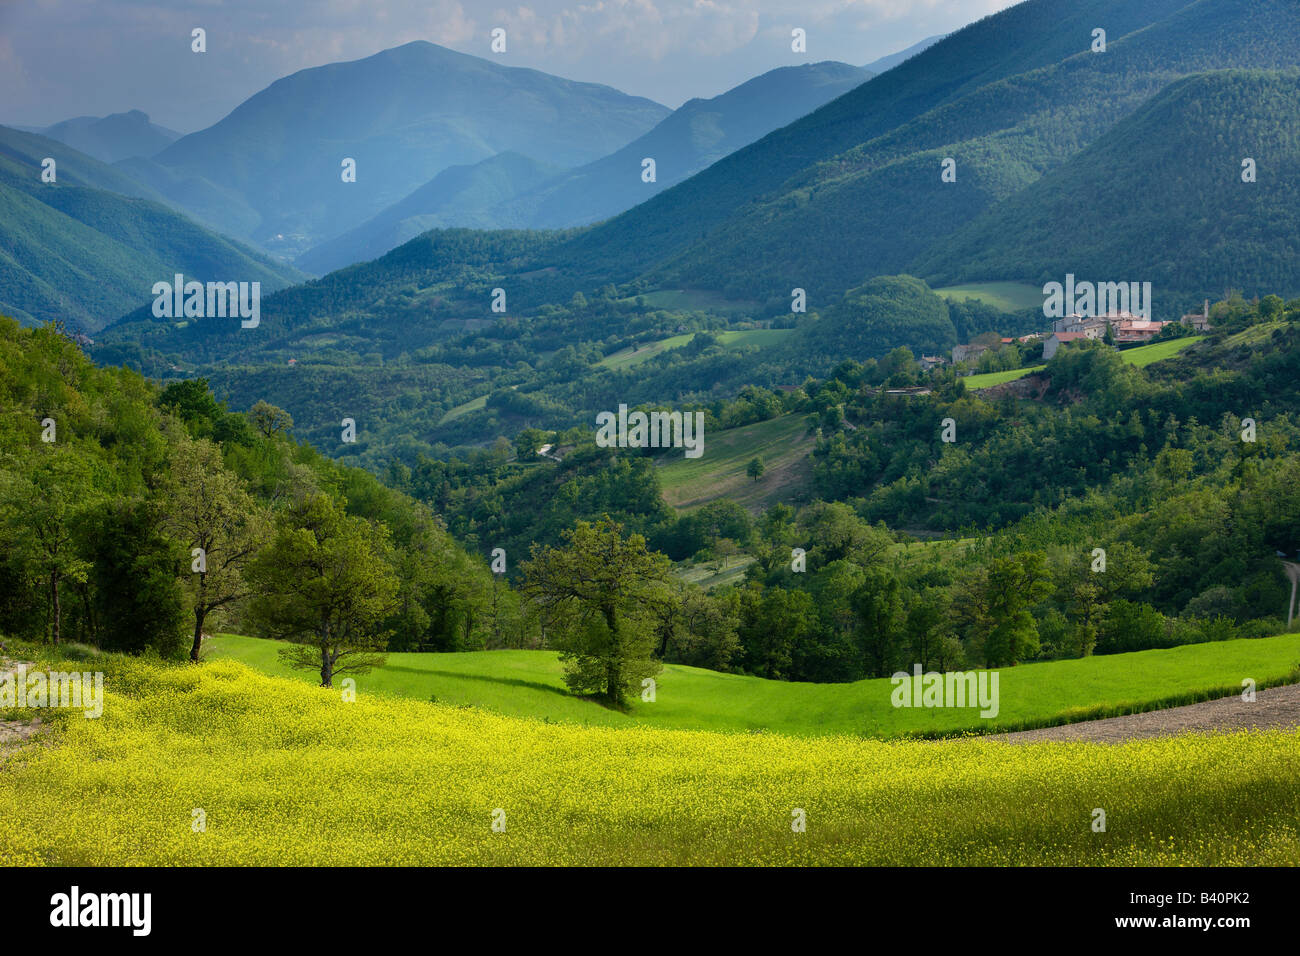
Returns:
(41, 499)
(325, 583)
(207, 509)
(598, 594)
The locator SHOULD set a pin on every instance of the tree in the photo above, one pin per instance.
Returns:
(325, 583)
(927, 627)
(270, 419)
(528, 441)
(597, 595)
(40, 501)
(137, 599)
(1014, 585)
(878, 609)
(755, 468)
(207, 508)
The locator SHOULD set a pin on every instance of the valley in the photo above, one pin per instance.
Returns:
(336, 437)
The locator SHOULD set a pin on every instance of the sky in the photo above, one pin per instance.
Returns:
(66, 58)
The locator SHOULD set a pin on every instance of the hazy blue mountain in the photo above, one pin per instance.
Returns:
(692, 138)
(457, 196)
(88, 247)
(403, 115)
(110, 138)
(893, 59)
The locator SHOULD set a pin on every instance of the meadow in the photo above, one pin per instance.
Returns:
(783, 445)
(730, 338)
(529, 684)
(1004, 296)
(222, 765)
(1141, 356)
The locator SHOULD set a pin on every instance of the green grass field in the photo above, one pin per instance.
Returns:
(1005, 296)
(281, 773)
(473, 405)
(989, 379)
(529, 684)
(1142, 356)
(720, 472)
(708, 575)
(731, 338)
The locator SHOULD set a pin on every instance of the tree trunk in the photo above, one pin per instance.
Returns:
(54, 602)
(199, 615)
(614, 664)
(326, 668)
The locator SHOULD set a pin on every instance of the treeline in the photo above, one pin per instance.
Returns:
(139, 519)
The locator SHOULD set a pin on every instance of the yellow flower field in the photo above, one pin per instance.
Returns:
(288, 774)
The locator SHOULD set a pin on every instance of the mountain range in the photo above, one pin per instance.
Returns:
(854, 189)
(402, 116)
(513, 193)
(112, 138)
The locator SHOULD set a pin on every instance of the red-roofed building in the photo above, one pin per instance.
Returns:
(1057, 339)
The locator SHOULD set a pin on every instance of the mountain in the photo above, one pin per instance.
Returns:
(1002, 137)
(457, 196)
(1125, 199)
(403, 115)
(694, 137)
(88, 247)
(115, 137)
(508, 194)
(893, 59)
(853, 190)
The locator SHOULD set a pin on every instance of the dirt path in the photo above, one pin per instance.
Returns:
(13, 733)
(1277, 707)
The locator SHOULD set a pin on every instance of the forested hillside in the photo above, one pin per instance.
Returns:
(1183, 474)
(88, 247)
(1017, 41)
(1126, 198)
(821, 230)
(107, 485)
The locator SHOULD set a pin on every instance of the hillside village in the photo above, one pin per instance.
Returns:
(1124, 328)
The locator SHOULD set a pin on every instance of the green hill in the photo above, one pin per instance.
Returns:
(853, 190)
(882, 208)
(88, 247)
(1126, 198)
(727, 224)
(529, 684)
